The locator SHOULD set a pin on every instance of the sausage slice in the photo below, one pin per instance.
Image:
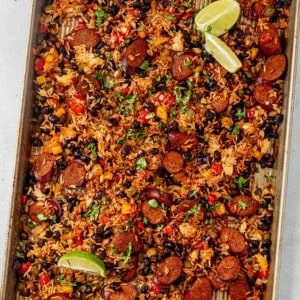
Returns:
(186, 205)
(273, 68)
(86, 84)
(269, 40)
(201, 289)
(183, 65)
(162, 197)
(219, 102)
(169, 270)
(135, 53)
(74, 175)
(182, 140)
(173, 162)
(43, 167)
(229, 268)
(239, 289)
(242, 206)
(86, 36)
(127, 292)
(266, 96)
(154, 215)
(40, 211)
(121, 240)
(60, 296)
(234, 239)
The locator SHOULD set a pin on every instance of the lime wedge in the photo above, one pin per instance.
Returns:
(83, 261)
(218, 17)
(222, 53)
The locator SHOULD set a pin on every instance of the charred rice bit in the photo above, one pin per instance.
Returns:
(110, 122)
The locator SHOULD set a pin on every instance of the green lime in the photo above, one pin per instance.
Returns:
(222, 53)
(218, 17)
(83, 261)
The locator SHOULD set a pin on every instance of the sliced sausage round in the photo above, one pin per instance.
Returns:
(272, 69)
(234, 239)
(186, 205)
(74, 175)
(120, 242)
(169, 270)
(40, 211)
(239, 289)
(242, 206)
(229, 268)
(162, 197)
(135, 53)
(182, 140)
(43, 167)
(86, 36)
(268, 39)
(154, 215)
(266, 96)
(86, 84)
(183, 65)
(173, 162)
(219, 102)
(216, 281)
(201, 289)
(60, 296)
(258, 9)
(127, 292)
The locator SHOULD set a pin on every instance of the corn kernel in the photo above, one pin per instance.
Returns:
(253, 53)
(49, 58)
(68, 133)
(262, 261)
(126, 208)
(107, 176)
(60, 112)
(142, 34)
(57, 149)
(41, 79)
(162, 113)
(220, 211)
(65, 289)
(151, 252)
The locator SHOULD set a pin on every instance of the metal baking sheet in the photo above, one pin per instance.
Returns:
(282, 146)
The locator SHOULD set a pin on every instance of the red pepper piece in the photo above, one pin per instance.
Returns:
(39, 64)
(211, 199)
(44, 278)
(76, 108)
(217, 168)
(24, 268)
(250, 113)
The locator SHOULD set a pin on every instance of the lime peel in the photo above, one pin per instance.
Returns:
(83, 261)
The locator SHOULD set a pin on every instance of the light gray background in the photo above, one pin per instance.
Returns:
(14, 26)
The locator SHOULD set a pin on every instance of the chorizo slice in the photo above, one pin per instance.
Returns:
(85, 36)
(131, 272)
(169, 270)
(234, 239)
(135, 53)
(43, 167)
(201, 289)
(86, 84)
(183, 65)
(126, 292)
(269, 40)
(229, 268)
(239, 289)
(219, 102)
(272, 69)
(266, 96)
(216, 281)
(173, 162)
(162, 197)
(155, 215)
(74, 175)
(186, 205)
(120, 242)
(242, 206)
(41, 211)
(181, 140)
(60, 296)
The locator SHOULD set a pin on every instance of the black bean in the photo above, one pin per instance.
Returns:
(266, 243)
(122, 194)
(150, 106)
(113, 121)
(62, 119)
(94, 248)
(52, 38)
(266, 254)
(146, 261)
(278, 119)
(253, 249)
(212, 85)
(56, 235)
(209, 115)
(264, 227)
(23, 235)
(126, 150)
(85, 158)
(144, 289)
(146, 271)
(154, 151)
(196, 44)
(130, 172)
(109, 265)
(113, 9)
(217, 155)
(47, 110)
(251, 281)
(37, 142)
(108, 232)
(267, 220)
(115, 286)
(136, 125)
(102, 254)
(202, 158)
(263, 204)
(267, 161)
(169, 245)
(53, 119)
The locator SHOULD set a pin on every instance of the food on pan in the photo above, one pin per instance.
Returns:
(146, 144)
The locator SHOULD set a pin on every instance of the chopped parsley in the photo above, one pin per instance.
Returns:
(141, 164)
(93, 212)
(101, 16)
(242, 204)
(159, 227)
(187, 4)
(192, 212)
(92, 148)
(139, 135)
(240, 181)
(62, 281)
(127, 255)
(169, 17)
(240, 114)
(144, 65)
(187, 63)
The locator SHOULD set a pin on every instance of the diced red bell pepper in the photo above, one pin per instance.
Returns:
(44, 278)
(262, 274)
(104, 219)
(250, 113)
(166, 98)
(139, 227)
(211, 199)
(125, 90)
(24, 199)
(217, 168)
(78, 240)
(201, 246)
(79, 96)
(117, 37)
(24, 268)
(39, 64)
(168, 229)
(186, 16)
(135, 12)
(76, 108)
(143, 115)
(91, 6)
(43, 28)
(125, 217)
(155, 288)
(102, 162)
(187, 296)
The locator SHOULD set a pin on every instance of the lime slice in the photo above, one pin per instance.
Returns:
(218, 17)
(222, 53)
(83, 261)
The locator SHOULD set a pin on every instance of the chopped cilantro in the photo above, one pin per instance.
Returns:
(159, 227)
(141, 164)
(269, 177)
(144, 65)
(92, 148)
(31, 225)
(187, 4)
(192, 212)
(101, 16)
(63, 281)
(169, 17)
(41, 217)
(235, 130)
(242, 204)
(145, 220)
(153, 203)
(187, 63)
(138, 134)
(240, 114)
(93, 212)
(240, 181)
(127, 255)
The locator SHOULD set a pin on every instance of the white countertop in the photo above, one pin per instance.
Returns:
(14, 29)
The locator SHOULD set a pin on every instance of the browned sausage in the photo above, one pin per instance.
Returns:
(219, 102)
(120, 242)
(258, 9)
(162, 197)
(239, 289)
(74, 175)
(43, 167)
(268, 39)
(201, 289)
(60, 296)
(40, 211)
(183, 65)
(169, 270)
(266, 96)
(173, 162)
(155, 215)
(242, 206)
(216, 281)
(127, 292)
(229, 268)
(86, 84)
(182, 140)
(234, 239)
(135, 53)
(186, 205)
(87, 37)
(272, 69)
(131, 272)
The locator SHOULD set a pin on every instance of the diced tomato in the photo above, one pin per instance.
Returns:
(104, 219)
(262, 274)
(217, 168)
(44, 278)
(250, 113)
(43, 28)
(24, 268)
(76, 108)
(79, 96)
(139, 227)
(125, 90)
(125, 217)
(168, 229)
(187, 296)
(211, 199)
(39, 64)
(186, 16)
(24, 199)
(143, 174)
(155, 288)
(143, 115)
(201, 246)
(102, 162)
(166, 98)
